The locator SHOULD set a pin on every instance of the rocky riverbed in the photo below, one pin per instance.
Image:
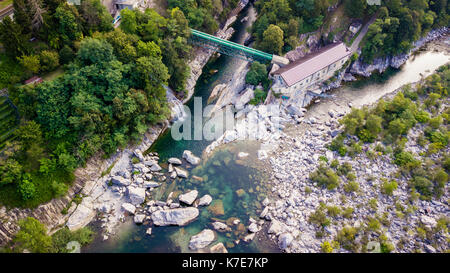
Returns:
(296, 198)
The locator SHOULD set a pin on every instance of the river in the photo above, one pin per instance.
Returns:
(224, 173)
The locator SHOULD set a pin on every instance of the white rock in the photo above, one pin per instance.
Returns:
(174, 160)
(202, 239)
(253, 228)
(205, 200)
(80, 218)
(242, 154)
(151, 184)
(130, 208)
(189, 197)
(120, 181)
(218, 248)
(219, 226)
(149, 231)
(275, 228)
(181, 172)
(285, 240)
(191, 158)
(176, 217)
(139, 218)
(137, 195)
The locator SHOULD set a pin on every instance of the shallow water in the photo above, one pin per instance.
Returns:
(224, 174)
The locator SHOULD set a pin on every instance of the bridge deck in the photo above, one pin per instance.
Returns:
(232, 45)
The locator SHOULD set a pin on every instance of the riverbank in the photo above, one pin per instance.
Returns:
(296, 198)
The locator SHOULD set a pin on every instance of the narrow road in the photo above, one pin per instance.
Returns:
(362, 33)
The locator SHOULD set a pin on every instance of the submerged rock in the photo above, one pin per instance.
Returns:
(216, 208)
(218, 248)
(191, 158)
(202, 239)
(174, 217)
(219, 226)
(189, 197)
(205, 200)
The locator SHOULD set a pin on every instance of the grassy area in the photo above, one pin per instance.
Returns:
(10, 196)
(53, 75)
(5, 3)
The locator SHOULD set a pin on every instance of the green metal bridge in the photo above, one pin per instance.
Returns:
(228, 48)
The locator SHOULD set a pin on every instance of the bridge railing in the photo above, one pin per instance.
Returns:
(228, 48)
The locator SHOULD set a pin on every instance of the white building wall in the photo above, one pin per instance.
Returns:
(325, 73)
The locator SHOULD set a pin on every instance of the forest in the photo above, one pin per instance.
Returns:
(110, 85)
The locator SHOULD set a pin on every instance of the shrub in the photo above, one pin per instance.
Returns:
(319, 218)
(346, 238)
(344, 168)
(373, 224)
(333, 211)
(347, 212)
(423, 186)
(435, 122)
(388, 188)
(422, 116)
(257, 74)
(402, 158)
(49, 60)
(26, 187)
(351, 186)
(335, 163)
(326, 247)
(32, 236)
(325, 177)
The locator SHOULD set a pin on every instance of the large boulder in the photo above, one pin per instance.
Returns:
(175, 217)
(202, 239)
(189, 197)
(285, 240)
(275, 227)
(191, 158)
(137, 195)
(139, 218)
(80, 218)
(120, 181)
(130, 208)
(181, 172)
(174, 161)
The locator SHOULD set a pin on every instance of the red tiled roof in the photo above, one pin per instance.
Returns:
(34, 79)
(311, 63)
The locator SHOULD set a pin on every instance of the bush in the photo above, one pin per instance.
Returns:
(344, 168)
(333, 211)
(319, 218)
(26, 187)
(422, 116)
(388, 188)
(351, 186)
(326, 247)
(403, 158)
(49, 60)
(346, 238)
(260, 97)
(423, 186)
(32, 236)
(257, 74)
(325, 177)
